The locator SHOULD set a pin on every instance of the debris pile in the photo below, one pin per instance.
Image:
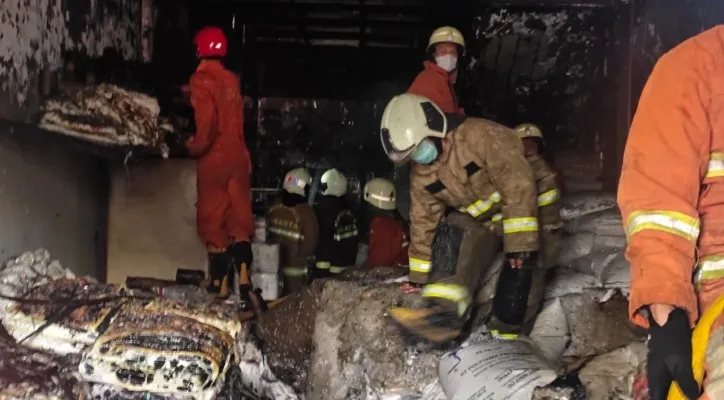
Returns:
(110, 115)
(122, 344)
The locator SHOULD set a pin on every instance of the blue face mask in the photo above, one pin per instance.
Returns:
(425, 153)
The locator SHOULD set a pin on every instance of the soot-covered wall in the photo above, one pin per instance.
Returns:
(36, 34)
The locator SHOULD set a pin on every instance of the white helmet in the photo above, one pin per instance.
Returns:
(380, 193)
(296, 181)
(446, 34)
(334, 183)
(407, 120)
(528, 130)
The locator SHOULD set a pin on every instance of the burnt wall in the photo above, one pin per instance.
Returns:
(36, 36)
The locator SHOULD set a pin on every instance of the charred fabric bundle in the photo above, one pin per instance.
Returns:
(110, 115)
(123, 346)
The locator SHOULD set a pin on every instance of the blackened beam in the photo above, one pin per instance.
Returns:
(546, 3)
(283, 35)
(256, 5)
(282, 19)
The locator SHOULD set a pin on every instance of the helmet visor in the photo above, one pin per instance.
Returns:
(397, 156)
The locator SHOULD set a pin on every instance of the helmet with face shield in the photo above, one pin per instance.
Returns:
(408, 120)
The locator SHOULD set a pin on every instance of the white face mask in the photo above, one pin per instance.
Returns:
(448, 62)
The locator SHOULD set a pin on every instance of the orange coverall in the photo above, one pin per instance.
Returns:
(671, 192)
(435, 83)
(387, 243)
(223, 207)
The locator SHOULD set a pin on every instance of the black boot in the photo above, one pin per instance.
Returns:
(219, 267)
(243, 257)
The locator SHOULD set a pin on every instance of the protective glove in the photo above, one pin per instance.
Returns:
(669, 357)
(518, 258)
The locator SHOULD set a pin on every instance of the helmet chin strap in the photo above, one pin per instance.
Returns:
(453, 121)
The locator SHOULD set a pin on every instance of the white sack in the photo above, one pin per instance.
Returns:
(266, 258)
(580, 204)
(550, 331)
(611, 375)
(566, 281)
(269, 284)
(607, 222)
(491, 368)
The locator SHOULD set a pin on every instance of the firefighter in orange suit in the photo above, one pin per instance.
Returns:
(387, 237)
(224, 218)
(293, 225)
(436, 81)
(671, 196)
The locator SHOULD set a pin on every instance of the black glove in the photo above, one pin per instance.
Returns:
(669, 357)
(521, 258)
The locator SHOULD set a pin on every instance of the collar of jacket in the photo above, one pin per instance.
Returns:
(447, 145)
(209, 65)
(432, 67)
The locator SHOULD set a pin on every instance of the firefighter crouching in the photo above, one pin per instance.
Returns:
(477, 168)
(338, 234)
(293, 225)
(387, 238)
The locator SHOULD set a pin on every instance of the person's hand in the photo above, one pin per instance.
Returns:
(518, 259)
(669, 352)
(411, 287)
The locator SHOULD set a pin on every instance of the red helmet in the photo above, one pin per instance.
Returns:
(210, 42)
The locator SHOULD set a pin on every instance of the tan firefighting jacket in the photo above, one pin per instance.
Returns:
(480, 170)
(548, 193)
(296, 230)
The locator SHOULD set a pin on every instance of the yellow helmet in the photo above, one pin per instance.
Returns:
(334, 183)
(446, 34)
(528, 130)
(296, 181)
(407, 120)
(380, 193)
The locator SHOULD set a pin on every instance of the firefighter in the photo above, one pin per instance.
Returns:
(293, 225)
(670, 195)
(387, 237)
(338, 234)
(224, 219)
(438, 77)
(477, 168)
(548, 193)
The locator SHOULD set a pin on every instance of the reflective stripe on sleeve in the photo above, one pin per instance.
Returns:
(711, 267)
(497, 217)
(451, 292)
(481, 206)
(421, 266)
(673, 222)
(335, 270)
(548, 198)
(716, 165)
(518, 225)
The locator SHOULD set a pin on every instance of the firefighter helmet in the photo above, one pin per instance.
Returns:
(296, 181)
(210, 42)
(380, 193)
(528, 130)
(334, 183)
(407, 120)
(446, 34)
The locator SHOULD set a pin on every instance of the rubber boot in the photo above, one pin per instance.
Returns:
(243, 257)
(436, 324)
(219, 267)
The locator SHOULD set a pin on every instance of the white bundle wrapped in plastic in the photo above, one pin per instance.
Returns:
(580, 204)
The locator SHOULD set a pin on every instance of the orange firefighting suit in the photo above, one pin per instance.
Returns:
(671, 192)
(387, 242)
(435, 84)
(223, 207)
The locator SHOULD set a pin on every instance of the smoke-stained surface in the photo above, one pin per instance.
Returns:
(35, 35)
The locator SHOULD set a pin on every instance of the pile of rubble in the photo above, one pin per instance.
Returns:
(109, 115)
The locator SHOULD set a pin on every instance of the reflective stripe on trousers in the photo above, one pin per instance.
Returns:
(287, 234)
(419, 265)
(710, 267)
(672, 222)
(481, 206)
(323, 264)
(451, 292)
(341, 236)
(517, 225)
(548, 198)
(294, 271)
